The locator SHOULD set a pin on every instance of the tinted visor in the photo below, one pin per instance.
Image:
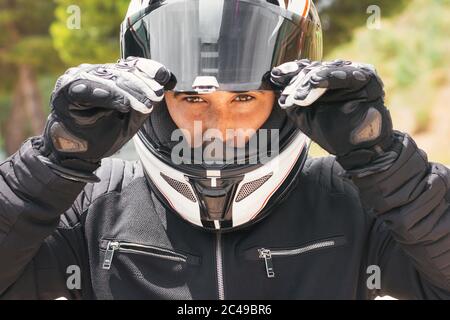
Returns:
(226, 44)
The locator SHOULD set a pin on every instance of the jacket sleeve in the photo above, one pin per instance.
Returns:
(411, 240)
(33, 255)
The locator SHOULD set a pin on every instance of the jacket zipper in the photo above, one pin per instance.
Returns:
(268, 254)
(219, 267)
(135, 248)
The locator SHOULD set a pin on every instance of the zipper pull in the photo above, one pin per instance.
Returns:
(109, 254)
(267, 256)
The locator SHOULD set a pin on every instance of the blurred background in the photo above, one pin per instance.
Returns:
(407, 40)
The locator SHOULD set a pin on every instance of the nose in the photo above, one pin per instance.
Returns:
(218, 119)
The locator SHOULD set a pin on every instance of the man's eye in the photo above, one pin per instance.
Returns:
(244, 98)
(194, 99)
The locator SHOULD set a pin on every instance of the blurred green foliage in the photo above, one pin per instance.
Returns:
(411, 52)
(24, 39)
(97, 40)
(341, 17)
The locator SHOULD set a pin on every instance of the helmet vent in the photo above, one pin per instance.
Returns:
(250, 187)
(181, 187)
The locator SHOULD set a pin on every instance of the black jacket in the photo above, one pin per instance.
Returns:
(323, 240)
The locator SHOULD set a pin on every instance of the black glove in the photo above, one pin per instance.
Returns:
(96, 109)
(340, 106)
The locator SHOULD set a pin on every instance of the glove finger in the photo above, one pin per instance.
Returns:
(347, 77)
(149, 69)
(144, 90)
(300, 92)
(66, 78)
(306, 98)
(154, 70)
(86, 94)
(120, 86)
(113, 80)
(283, 74)
(136, 81)
(137, 84)
(302, 98)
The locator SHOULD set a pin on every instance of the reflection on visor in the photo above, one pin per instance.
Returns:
(230, 43)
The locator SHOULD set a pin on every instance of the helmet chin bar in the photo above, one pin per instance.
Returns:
(216, 199)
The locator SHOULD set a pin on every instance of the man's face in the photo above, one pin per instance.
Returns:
(221, 110)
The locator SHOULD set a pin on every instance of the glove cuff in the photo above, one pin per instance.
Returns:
(72, 169)
(380, 157)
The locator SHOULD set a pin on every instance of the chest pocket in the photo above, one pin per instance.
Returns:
(269, 256)
(150, 266)
(113, 247)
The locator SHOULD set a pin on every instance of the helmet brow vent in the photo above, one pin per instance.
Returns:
(250, 187)
(181, 187)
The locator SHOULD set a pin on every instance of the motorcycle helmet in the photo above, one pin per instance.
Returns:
(222, 45)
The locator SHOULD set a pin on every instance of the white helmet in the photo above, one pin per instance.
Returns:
(229, 45)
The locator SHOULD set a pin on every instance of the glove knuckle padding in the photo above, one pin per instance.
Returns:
(65, 141)
(348, 117)
(303, 89)
(96, 109)
(87, 93)
(369, 129)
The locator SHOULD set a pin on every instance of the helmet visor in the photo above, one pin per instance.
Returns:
(226, 45)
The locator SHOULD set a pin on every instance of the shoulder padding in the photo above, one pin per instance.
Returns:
(115, 175)
(326, 173)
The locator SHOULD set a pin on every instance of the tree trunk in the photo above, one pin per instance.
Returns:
(27, 117)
